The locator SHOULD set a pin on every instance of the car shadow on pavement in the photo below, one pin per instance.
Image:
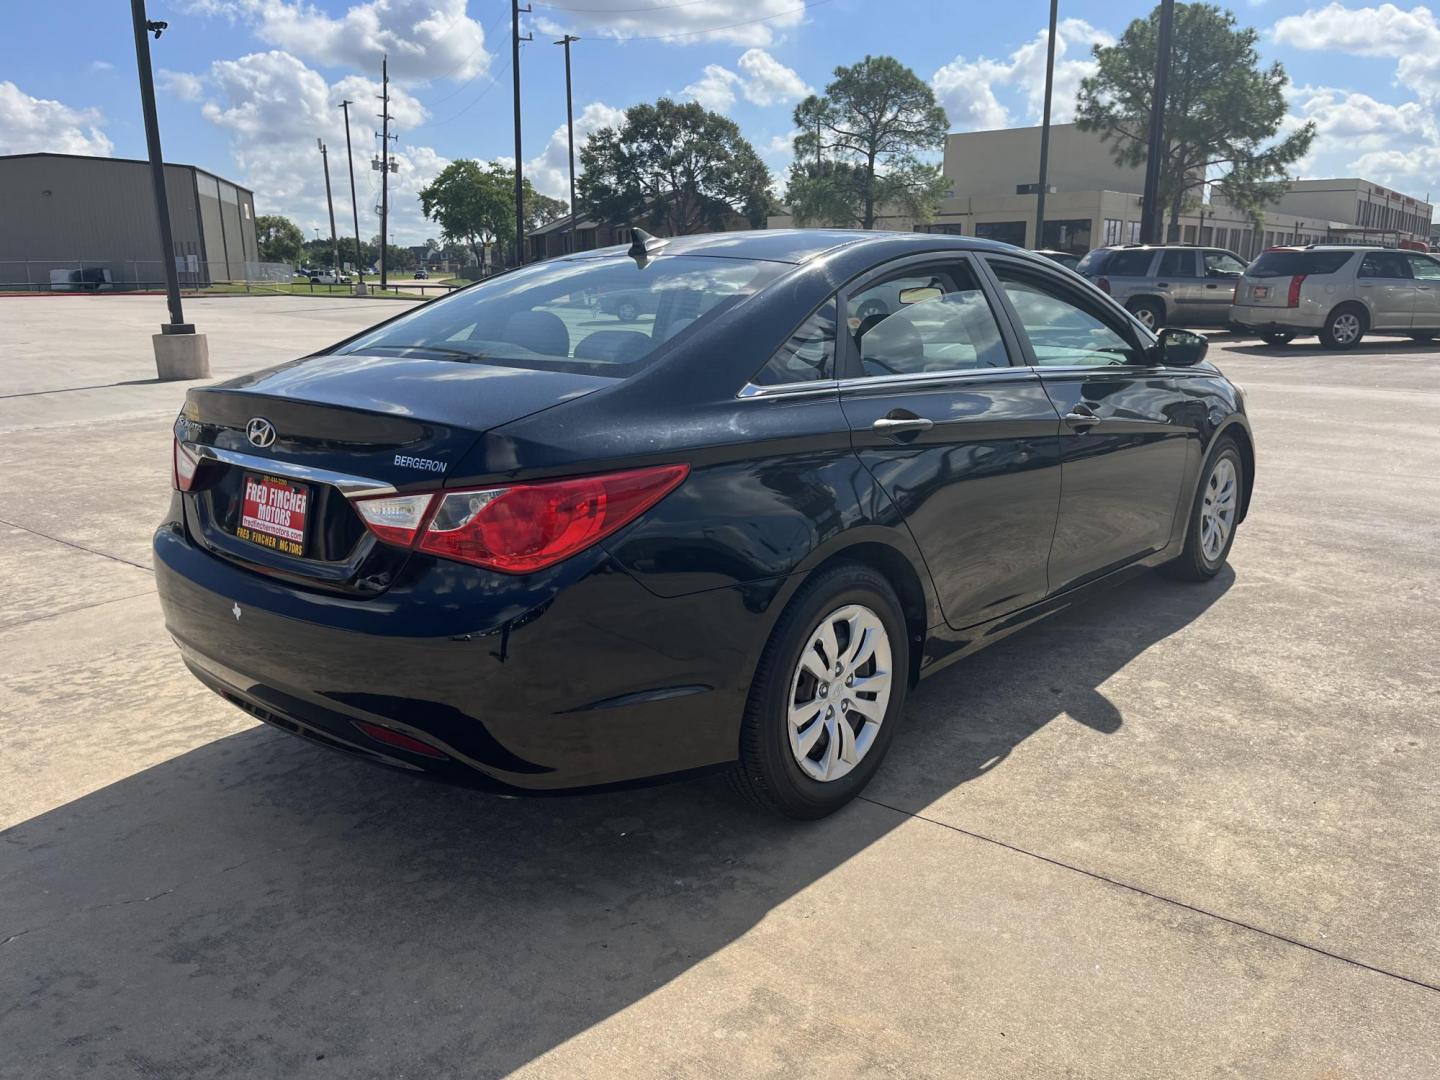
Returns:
(1368, 347)
(261, 907)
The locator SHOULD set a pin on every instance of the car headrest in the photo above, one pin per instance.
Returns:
(893, 341)
(614, 346)
(539, 331)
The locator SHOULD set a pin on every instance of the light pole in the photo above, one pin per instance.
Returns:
(1045, 132)
(1150, 215)
(354, 205)
(180, 353)
(515, 39)
(330, 202)
(570, 126)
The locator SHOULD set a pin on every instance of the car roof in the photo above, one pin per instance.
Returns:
(800, 245)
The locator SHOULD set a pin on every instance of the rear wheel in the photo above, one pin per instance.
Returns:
(1344, 328)
(1149, 312)
(826, 695)
(1213, 516)
(1278, 337)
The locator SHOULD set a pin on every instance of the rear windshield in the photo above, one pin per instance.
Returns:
(1289, 263)
(602, 316)
(1093, 261)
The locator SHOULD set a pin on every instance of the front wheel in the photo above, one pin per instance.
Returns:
(1213, 516)
(826, 695)
(1278, 337)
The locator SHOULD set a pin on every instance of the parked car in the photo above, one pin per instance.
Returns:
(486, 543)
(328, 277)
(1167, 285)
(1067, 259)
(1339, 293)
(422, 274)
(628, 305)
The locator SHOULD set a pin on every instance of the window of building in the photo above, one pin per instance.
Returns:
(1071, 235)
(1134, 232)
(1113, 231)
(1006, 232)
(1207, 235)
(809, 355)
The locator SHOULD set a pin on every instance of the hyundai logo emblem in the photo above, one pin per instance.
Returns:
(260, 432)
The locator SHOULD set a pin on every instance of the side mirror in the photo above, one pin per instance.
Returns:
(1181, 348)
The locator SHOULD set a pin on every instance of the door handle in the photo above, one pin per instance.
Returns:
(899, 425)
(1081, 418)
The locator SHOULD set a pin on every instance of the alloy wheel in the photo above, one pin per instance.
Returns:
(1217, 509)
(839, 692)
(1346, 327)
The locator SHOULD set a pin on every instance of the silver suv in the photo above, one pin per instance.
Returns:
(1339, 293)
(1167, 284)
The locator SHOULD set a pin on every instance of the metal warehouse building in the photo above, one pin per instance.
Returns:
(79, 222)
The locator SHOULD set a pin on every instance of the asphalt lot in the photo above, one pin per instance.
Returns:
(1179, 832)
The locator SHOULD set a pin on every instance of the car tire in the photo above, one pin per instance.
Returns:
(1149, 312)
(1278, 337)
(1222, 481)
(769, 773)
(628, 312)
(1344, 327)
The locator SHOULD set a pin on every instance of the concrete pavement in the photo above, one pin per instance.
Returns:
(1182, 831)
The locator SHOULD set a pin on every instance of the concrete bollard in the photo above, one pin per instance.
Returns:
(180, 353)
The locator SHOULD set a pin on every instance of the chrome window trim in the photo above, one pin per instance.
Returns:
(1008, 373)
(750, 391)
(352, 487)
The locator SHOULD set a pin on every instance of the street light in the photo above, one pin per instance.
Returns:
(1150, 216)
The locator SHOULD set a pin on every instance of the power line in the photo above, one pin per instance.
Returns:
(711, 29)
(494, 81)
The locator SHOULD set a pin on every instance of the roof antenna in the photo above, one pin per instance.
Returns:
(643, 246)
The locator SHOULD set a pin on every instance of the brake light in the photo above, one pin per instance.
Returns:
(519, 528)
(182, 466)
(1103, 284)
(1293, 300)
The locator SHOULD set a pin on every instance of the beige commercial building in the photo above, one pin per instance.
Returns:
(1092, 201)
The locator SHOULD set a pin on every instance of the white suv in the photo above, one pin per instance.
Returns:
(1340, 293)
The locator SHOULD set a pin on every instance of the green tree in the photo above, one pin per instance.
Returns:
(279, 238)
(540, 209)
(1223, 111)
(472, 203)
(677, 168)
(860, 147)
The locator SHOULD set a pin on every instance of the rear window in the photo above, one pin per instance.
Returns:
(604, 316)
(1289, 263)
(1094, 261)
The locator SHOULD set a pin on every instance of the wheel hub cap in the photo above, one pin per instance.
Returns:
(1217, 509)
(849, 643)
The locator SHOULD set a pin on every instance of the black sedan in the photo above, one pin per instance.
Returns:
(500, 542)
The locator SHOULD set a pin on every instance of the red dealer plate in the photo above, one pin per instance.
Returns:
(273, 513)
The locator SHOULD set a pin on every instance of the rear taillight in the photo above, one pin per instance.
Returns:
(1103, 284)
(391, 737)
(394, 518)
(1293, 300)
(520, 528)
(183, 465)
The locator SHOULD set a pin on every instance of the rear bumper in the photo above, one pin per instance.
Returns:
(1271, 319)
(582, 680)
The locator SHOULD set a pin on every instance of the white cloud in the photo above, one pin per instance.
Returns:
(740, 22)
(30, 125)
(274, 107)
(180, 84)
(1411, 38)
(967, 88)
(715, 89)
(550, 170)
(425, 39)
(1356, 135)
(770, 82)
(101, 67)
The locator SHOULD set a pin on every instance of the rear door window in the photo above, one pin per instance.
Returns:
(1177, 263)
(1384, 264)
(923, 320)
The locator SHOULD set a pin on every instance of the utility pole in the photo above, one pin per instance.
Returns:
(1045, 132)
(354, 205)
(334, 240)
(385, 162)
(570, 124)
(1151, 216)
(179, 351)
(515, 39)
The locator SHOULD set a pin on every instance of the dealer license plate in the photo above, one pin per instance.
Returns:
(273, 513)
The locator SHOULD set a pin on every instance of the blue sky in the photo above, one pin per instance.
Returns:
(247, 85)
